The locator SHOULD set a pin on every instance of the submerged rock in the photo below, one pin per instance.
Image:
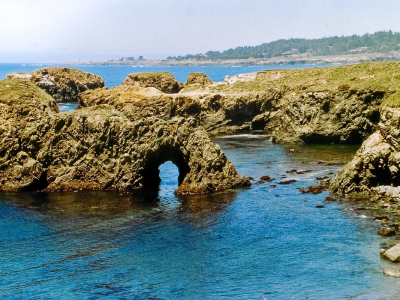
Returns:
(391, 272)
(163, 81)
(99, 148)
(265, 179)
(287, 181)
(387, 232)
(64, 84)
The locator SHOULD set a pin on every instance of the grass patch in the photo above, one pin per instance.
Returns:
(393, 100)
(22, 91)
(384, 76)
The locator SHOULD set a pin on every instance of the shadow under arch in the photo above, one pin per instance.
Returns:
(151, 173)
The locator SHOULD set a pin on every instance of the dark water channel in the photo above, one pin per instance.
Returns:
(256, 243)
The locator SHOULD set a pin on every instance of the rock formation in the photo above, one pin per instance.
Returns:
(375, 169)
(316, 105)
(330, 117)
(99, 148)
(214, 112)
(198, 78)
(64, 84)
(163, 81)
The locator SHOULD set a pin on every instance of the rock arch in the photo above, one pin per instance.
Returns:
(99, 148)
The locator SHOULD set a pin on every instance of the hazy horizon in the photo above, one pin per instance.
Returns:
(54, 32)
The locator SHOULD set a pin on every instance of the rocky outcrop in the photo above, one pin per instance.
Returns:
(23, 109)
(375, 169)
(329, 117)
(64, 84)
(341, 117)
(198, 78)
(99, 148)
(163, 81)
(214, 112)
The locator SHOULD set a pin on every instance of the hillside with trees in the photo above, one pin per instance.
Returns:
(379, 42)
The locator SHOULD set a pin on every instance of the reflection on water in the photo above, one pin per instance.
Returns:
(254, 243)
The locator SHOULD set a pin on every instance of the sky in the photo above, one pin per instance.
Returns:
(55, 31)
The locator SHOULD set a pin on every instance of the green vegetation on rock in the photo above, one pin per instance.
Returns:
(376, 75)
(393, 100)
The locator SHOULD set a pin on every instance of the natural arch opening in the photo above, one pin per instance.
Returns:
(163, 158)
(169, 174)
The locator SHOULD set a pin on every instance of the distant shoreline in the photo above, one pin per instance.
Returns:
(300, 59)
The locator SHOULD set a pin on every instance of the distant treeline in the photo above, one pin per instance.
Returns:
(382, 42)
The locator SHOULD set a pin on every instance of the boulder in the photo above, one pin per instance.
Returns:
(392, 254)
(198, 78)
(64, 84)
(99, 148)
(163, 81)
(391, 272)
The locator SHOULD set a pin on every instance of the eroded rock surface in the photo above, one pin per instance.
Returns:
(318, 105)
(64, 84)
(215, 112)
(375, 169)
(99, 148)
(163, 81)
(198, 78)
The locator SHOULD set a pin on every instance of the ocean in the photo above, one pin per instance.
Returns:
(269, 241)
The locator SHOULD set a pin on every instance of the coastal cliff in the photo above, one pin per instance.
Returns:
(99, 148)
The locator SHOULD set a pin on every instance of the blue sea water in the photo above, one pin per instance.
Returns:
(262, 242)
(115, 75)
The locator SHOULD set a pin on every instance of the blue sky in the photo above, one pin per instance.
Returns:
(60, 31)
